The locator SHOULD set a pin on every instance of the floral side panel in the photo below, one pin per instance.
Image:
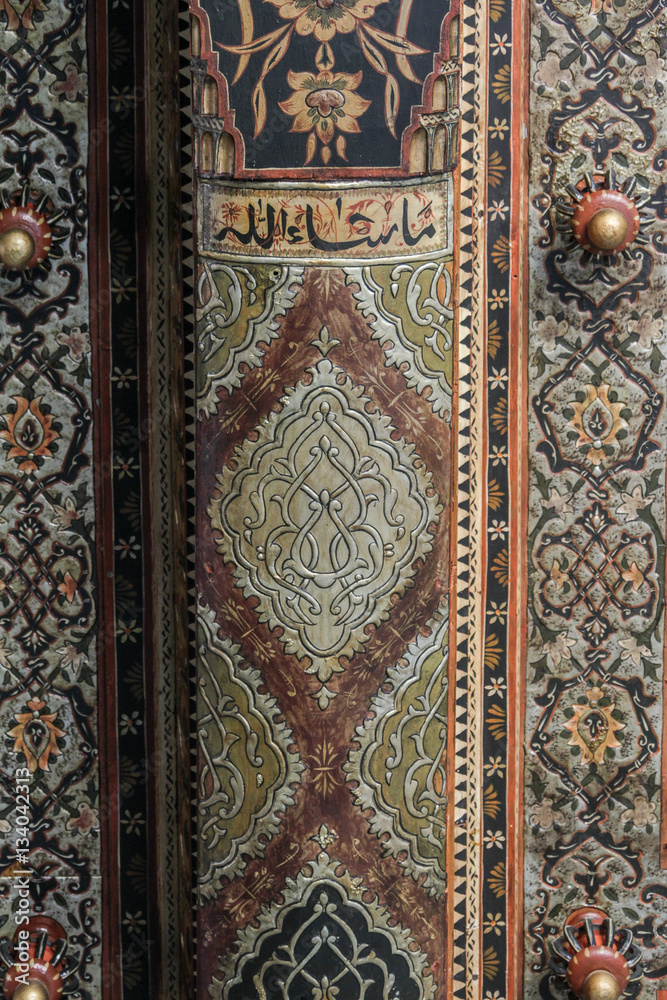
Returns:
(48, 574)
(596, 546)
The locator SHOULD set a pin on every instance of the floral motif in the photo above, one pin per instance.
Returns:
(548, 73)
(544, 815)
(648, 330)
(74, 87)
(593, 727)
(652, 71)
(29, 431)
(23, 20)
(72, 657)
(597, 420)
(65, 515)
(558, 502)
(87, 820)
(36, 735)
(642, 814)
(547, 331)
(323, 18)
(321, 104)
(602, 7)
(560, 648)
(76, 339)
(634, 502)
(633, 651)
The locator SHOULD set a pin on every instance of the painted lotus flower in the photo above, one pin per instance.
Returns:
(36, 735)
(322, 104)
(29, 432)
(323, 18)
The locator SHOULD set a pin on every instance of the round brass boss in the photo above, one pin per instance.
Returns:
(32, 990)
(608, 229)
(16, 250)
(600, 985)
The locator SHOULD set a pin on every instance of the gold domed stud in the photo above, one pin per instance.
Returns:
(599, 985)
(32, 990)
(607, 229)
(17, 248)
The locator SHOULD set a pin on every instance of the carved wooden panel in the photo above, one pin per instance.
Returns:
(325, 398)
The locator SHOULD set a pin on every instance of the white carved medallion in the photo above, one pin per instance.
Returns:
(324, 516)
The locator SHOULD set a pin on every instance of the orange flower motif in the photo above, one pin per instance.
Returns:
(634, 576)
(68, 587)
(597, 421)
(557, 575)
(322, 103)
(29, 432)
(323, 18)
(35, 735)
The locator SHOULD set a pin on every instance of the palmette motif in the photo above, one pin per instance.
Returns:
(324, 940)
(399, 766)
(409, 308)
(248, 765)
(239, 312)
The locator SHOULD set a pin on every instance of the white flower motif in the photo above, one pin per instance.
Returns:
(124, 379)
(122, 198)
(544, 816)
(494, 838)
(5, 655)
(558, 502)
(500, 45)
(499, 456)
(651, 72)
(129, 723)
(72, 657)
(498, 298)
(547, 330)
(548, 72)
(633, 503)
(499, 127)
(649, 330)
(498, 378)
(495, 766)
(498, 209)
(493, 923)
(498, 529)
(497, 613)
(634, 652)
(497, 687)
(643, 813)
(559, 649)
(132, 823)
(128, 548)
